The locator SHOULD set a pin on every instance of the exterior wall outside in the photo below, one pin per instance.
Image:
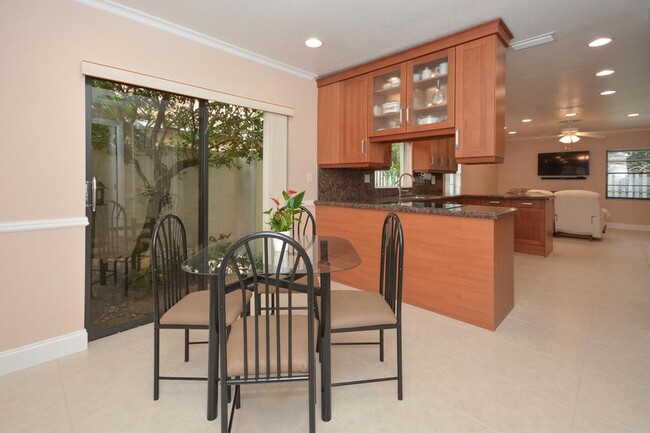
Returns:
(42, 169)
(520, 170)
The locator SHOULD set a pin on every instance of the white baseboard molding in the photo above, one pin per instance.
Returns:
(637, 227)
(33, 225)
(43, 351)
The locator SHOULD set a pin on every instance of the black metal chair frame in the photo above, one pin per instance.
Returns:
(113, 247)
(390, 287)
(268, 283)
(170, 240)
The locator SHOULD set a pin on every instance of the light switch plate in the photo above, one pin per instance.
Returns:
(366, 178)
(310, 177)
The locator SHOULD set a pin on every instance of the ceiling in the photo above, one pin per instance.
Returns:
(543, 82)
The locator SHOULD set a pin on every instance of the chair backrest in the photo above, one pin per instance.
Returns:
(267, 338)
(168, 252)
(305, 224)
(392, 263)
(111, 227)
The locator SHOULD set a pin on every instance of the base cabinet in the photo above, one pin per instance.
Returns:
(455, 266)
(533, 221)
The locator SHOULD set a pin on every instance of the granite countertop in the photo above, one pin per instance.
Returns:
(467, 211)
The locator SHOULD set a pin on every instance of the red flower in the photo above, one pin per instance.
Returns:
(275, 200)
(292, 192)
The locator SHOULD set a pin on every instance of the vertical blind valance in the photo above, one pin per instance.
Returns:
(98, 70)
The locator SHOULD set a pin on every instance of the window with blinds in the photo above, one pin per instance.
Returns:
(628, 174)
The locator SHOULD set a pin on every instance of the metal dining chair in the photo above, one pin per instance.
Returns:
(175, 306)
(357, 310)
(274, 345)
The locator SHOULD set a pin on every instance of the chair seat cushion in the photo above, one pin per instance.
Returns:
(356, 308)
(194, 309)
(299, 345)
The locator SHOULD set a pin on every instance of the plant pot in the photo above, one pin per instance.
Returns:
(277, 252)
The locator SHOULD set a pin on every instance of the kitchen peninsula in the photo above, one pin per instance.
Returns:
(458, 260)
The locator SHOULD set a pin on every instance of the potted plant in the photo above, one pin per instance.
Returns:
(281, 220)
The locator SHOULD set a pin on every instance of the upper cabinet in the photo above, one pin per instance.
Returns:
(343, 127)
(452, 87)
(480, 101)
(413, 96)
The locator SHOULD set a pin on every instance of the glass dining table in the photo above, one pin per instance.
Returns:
(328, 254)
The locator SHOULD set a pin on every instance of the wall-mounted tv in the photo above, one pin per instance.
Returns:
(563, 164)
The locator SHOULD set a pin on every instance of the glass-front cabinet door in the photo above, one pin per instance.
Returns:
(430, 96)
(387, 100)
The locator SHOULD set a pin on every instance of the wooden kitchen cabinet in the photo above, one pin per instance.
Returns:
(413, 96)
(343, 128)
(435, 156)
(533, 222)
(480, 101)
(450, 87)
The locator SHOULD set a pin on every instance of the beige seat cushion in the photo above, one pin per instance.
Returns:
(194, 309)
(299, 345)
(355, 308)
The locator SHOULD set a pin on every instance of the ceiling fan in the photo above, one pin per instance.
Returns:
(570, 135)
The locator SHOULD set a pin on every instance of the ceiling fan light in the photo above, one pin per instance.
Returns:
(569, 139)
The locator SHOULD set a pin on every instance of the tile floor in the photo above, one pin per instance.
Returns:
(571, 357)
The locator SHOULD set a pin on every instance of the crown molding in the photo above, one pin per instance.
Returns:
(175, 29)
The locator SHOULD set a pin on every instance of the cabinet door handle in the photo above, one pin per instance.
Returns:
(442, 161)
(401, 122)
(408, 115)
(363, 147)
(457, 137)
(495, 202)
(525, 203)
(433, 161)
(451, 162)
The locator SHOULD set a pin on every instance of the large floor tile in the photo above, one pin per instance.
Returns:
(564, 345)
(615, 399)
(619, 362)
(585, 422)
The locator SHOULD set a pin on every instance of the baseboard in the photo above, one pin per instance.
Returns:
(43, 351)
(637, 227)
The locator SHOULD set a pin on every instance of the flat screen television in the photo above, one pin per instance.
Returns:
(563, 164)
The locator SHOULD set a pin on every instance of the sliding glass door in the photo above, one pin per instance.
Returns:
(152, 153)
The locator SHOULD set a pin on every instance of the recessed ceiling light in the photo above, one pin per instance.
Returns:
(526, 120)
(599, 42)
(313, 42)
(608, 92)
(570, 114)
(604, 73)
(512, 132)
(633, 115)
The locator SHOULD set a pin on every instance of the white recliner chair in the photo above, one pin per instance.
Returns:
(580, 213)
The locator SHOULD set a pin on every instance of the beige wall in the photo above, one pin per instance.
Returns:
(42, 167)
(479, 179)
(520, 170)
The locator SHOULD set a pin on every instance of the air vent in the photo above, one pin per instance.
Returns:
(531, 42)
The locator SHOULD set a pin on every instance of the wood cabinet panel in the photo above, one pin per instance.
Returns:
(343, 128)
(480, 101)
(459, 267)
(533, 223)
(435, 155)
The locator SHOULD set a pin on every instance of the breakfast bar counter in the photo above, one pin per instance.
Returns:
(458, 260)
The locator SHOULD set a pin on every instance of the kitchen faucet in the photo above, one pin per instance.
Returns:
(399, 183)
